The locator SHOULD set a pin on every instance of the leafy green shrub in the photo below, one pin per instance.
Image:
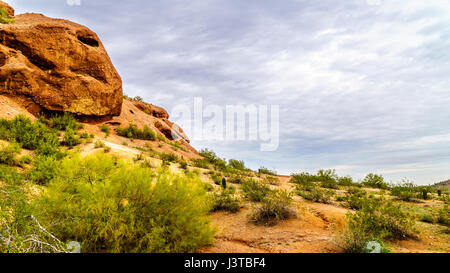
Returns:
(237, 164)
(8, 154)
(210, 158)
(99, 144)
(70, 139)
(303, 180)
(345, 181)
(200, 163)
(328, 178)
(375, 181)
(255, 191)
(377, 219)
(105, 129)
(133, 132)
(317, 195)
(25, 160)
(30, 135)
(444, 216)
(226, 201)
(272, 180)
(5, 18)
(169, 157)
(44, 169)
(19, 230)
(275, 207)
(64, 122)
(111, 206)
(264, 170)
(216, 178)
(405, 191)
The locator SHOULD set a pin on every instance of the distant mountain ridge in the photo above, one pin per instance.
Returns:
(442, 185)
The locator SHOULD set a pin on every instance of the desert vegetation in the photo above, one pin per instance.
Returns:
(51, 195)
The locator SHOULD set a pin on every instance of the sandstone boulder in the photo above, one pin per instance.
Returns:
(58, 65)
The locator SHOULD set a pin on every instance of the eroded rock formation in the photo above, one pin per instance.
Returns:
(59, 66)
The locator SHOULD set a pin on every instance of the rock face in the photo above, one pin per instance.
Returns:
(59, 66)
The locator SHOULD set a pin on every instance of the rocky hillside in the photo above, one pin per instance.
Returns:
(52, 65)
(442, 185)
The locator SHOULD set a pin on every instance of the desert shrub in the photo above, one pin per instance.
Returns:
(264, 170)
(133, 132)
(237, 164)
(235, 178)
(19, 230)
(328, 178)
(405, 191)
(354, 198)
(64, 122)
(216, 178)
(105, 129)
(183, 164)
(317, 195)
(376, 220)
(99, 144)
(111, 206)
(44, 169)
(272, 180)
(226, 200)
(255, 191)
(70, 139)
(275, 207)
(210, 158)
(423, 192)
(375, 181)
(8, 154)
(303, 180)
(443, 216)
(169, 157)
(345, 181)
(200, 163)
(5, 18)
(30, 135)
(25, 160)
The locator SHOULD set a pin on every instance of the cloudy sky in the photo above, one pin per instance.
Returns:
(362, 85)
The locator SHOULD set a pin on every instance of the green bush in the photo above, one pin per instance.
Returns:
(264, 170)
(226, 201)
(64, 122)
(272, 180)
(44, 169)
(303, 180)
(317, 195)
(133, 132)
(406, 191)
(19, 230)
(255, 191)
(444, 216)
(346, 181)
(375, 181)
(8, 154)
(377, 219)
(169, 157)
(210, 158)
(111, 206)
(30, 135)
(275, 207)
(5, 18)
(354, 198)
(105, 129)
(236, 164)
(70, 139)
